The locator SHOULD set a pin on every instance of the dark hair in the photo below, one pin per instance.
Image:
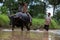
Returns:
(21, 6)
(49, 13)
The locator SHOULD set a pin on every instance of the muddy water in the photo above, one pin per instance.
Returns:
(54, 36)
(26, 35)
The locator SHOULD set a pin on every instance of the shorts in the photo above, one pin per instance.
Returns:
(46, 27)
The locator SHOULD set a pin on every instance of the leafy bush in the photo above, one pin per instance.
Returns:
(4, 20)
(36, 23)
(54, 25)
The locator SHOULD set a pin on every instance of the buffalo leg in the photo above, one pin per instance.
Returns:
(28, 28)
(22, 28)
(13, 27)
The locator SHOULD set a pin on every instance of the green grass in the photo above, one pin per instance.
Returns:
(4, 20)
(54, 25)
(38, 21)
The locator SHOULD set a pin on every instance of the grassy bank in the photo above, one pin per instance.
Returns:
(4, 20)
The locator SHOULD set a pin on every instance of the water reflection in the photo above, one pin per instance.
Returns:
(54, 36)
(45, 35)
(28, 35)
(20, 35)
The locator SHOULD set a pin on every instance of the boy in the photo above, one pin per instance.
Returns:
(47, 22)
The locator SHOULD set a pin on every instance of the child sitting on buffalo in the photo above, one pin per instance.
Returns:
(24, 16)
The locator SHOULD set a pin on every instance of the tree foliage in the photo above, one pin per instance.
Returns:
(3, 9)
(54, 3)
(37, 10)
(57, 16)
(36, 7)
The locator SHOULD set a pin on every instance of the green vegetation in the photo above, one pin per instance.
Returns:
(54, 25)
(4, 20)
(37, 23)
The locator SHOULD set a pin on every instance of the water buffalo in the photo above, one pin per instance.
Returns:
(19, 22)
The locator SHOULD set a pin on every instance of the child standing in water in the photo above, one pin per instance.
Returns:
(47, 22)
